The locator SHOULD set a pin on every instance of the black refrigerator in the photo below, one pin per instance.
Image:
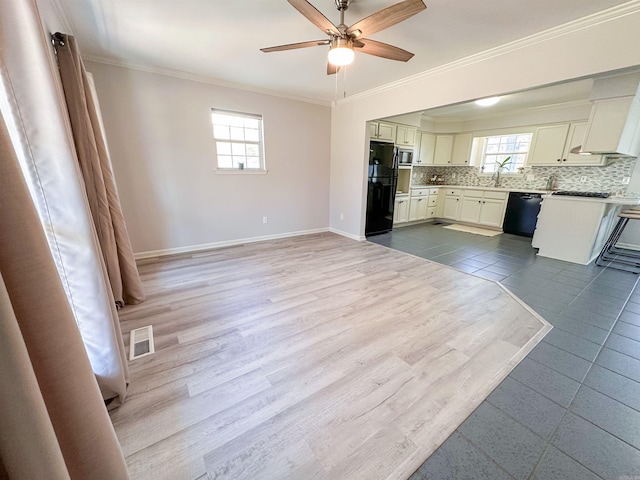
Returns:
(383, 181)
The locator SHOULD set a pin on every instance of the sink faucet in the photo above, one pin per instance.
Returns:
(496, 178)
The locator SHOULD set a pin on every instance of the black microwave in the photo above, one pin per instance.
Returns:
(405, 156)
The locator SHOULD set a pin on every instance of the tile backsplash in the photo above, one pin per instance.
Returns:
(599, 179)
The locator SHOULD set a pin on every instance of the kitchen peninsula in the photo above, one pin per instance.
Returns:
(574, 229)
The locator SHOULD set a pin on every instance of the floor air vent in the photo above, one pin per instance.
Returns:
(141, 342)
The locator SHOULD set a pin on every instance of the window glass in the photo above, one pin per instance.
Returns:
(238, 139)
(497, 150)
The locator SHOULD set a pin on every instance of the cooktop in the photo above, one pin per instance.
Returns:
(582, 194)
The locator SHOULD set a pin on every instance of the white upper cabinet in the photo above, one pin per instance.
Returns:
(548, 145)
(461, 149)
(382, 132)
(426, 150)
(552, 145)
(576, 137)
(405, 136)
(443, 150)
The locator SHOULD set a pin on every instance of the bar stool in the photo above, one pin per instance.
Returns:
(617, 257)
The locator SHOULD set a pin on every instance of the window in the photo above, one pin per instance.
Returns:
(238, 138)
(496, 149)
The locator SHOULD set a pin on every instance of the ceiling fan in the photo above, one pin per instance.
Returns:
(343, 39)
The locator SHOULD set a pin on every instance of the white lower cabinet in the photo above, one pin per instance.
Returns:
(418, 208)
(492, 213)
(452, 202)
(484, 207)
(401, 210)
(470, 209)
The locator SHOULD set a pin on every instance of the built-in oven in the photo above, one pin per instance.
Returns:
(404, 156)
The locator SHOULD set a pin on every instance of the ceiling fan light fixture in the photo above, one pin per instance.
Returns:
(487, 102)
(341, 52)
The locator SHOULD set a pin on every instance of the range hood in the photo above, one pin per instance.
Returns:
(614, 123)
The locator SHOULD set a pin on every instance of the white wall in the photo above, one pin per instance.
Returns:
(160, 137)
(564, 54)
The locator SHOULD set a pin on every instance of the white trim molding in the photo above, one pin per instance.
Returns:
(228, 243)
(358, 238)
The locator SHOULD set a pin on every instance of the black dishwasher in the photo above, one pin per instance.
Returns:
(522, 213)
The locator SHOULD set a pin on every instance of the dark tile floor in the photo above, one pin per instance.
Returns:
(571, 408)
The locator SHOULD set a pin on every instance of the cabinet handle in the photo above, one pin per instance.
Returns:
(564, 159)
(558, 160)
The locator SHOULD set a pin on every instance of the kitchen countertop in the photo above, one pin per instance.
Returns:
(478, 187)
(616, 199)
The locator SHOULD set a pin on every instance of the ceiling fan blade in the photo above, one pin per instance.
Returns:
(383, 50)
(314, 16)
(292, 46)
(386, 18)
(332, 69)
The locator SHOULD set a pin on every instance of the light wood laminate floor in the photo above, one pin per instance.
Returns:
(314, 357)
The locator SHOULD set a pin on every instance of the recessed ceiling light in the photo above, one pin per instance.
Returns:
(487, 102)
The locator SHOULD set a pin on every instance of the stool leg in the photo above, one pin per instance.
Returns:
(601, 260)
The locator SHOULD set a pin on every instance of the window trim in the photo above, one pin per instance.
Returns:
(261, 144)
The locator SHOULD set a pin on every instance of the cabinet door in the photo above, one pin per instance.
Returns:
(470, 210)
(461, 149)
(401, 210)
(451, 207)
(386, 132)
(423, 208)
(413, 208)
(427, 149)
(405, 136)
(444, 145)
(492, 212)
(576, 138)
(548, 146)
(373, 130)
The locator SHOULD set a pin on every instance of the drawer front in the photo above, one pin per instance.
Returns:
(453, 192)
(473, 193)
(496, 195)
(431, 212)
(419, 192)
(433, 200)
(433, 191)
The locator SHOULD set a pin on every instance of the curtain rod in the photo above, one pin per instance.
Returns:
(57, 39)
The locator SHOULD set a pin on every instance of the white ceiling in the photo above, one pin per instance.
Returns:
(563, 94)
(221, 39)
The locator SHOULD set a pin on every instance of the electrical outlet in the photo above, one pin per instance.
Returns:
(342, 216)
(583, 179)
(264, 219)
(626, 180)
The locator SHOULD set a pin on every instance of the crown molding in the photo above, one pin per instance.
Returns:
(194, 77)
(604, 16)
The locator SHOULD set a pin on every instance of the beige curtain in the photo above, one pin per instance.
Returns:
(33, 111)
(97, 173)
(53, 422)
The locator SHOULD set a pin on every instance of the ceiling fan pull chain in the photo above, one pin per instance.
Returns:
(344, 82)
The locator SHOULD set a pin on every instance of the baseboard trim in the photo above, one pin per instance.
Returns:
(229, 243)
(359, 238)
